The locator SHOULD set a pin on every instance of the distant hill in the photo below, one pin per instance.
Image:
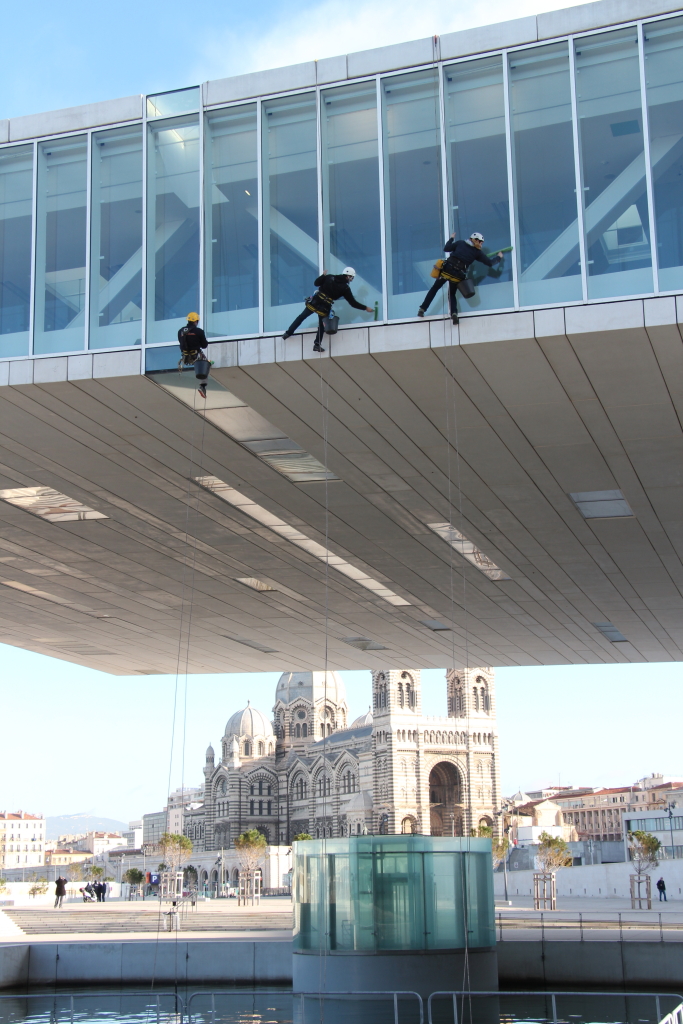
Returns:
(71, 823)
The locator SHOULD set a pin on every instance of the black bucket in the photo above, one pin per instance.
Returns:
(466, 288)
(330, 324)
(202, 369)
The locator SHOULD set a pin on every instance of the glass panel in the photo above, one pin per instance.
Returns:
(172, 226)
(232, 222)
(180, 101)
(61, 245)
(412, 176)
(16, 192)
(116, 239)
(351, 194)
(664, 75)
(614, 193)
(478, 185)
(547, 222)
(290, 207)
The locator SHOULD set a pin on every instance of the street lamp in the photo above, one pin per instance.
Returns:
(506, 829)
(670, 812)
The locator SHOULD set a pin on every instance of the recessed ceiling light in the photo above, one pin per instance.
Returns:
(49, 504)
(251, 643)
(601, 504)
(363, 643)
(251, 581)
(435, 625)
(468, 550)
(611, 632)
(279, 526)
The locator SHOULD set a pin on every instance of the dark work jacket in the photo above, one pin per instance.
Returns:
(60, 887)
(191, 338)
(330, 288)
(461, 255)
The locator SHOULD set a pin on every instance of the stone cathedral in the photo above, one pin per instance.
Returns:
(391, 770)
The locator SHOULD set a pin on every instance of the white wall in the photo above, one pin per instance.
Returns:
(601, 880)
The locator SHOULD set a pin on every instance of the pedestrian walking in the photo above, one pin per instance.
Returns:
(60, 892)
(661, 885)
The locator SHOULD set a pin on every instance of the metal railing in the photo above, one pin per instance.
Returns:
(66, 1002)
(301, 998)
(465, 1014)
(584, 927)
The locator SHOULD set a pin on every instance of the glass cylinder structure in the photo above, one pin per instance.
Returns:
(16, 220)
(412, 188)
(232, 236)
(350, 190)
(116, 239)
(61, 245)
(172, 226)
(290, 207)
(612, 144)
(372, 894)
(478, 172)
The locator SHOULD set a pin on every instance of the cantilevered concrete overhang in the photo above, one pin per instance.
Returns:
(432, 434)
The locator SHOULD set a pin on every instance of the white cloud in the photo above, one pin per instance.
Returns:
(329, 29)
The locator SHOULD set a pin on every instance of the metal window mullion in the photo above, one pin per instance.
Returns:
(34, 252)
(202, 310)
(445, 190)
(648, 163)
(259, 213)
(382, 204)
(511, 193)
(319, 179)
(578, 175)
(88, 236)
(145, 187)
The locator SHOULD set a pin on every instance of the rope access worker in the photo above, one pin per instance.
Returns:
(330, 288)
(192, 340)
(454, 269)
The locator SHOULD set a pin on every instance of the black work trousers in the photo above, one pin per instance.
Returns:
(304, 316)
(452, 295)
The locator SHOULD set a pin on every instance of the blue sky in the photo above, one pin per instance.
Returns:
(59, 55)
(77, 740)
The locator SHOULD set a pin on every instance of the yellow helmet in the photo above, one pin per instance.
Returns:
(193, 317)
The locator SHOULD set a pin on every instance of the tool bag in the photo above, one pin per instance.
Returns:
(436, 269)
(330, 324)
(202, 368)
(466, 288)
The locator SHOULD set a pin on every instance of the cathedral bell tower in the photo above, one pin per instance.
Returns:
(397, 712)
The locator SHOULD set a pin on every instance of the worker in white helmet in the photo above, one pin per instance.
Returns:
(330, 288)
(461, 255)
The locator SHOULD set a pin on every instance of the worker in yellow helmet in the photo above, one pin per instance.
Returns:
(192, 340)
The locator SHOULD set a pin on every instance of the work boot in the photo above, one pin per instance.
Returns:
(286, 335)
(318, 347)
(420, 311)
(454, 317)
(202, 390)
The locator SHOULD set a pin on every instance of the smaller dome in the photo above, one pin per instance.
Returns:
(209, 753)
(249, 722)
(365, 719)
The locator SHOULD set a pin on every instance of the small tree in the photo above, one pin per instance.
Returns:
(38, 888)
(481, 832)
(191, 875)
(301, 837)
(96, 872)
(499, 849)
(251, 848)
(553, 853)
(175, 849)
(643, 849)
(134, 876)
(3, 885)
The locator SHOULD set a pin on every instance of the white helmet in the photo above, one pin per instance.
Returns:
(349, 272)
(477, 237)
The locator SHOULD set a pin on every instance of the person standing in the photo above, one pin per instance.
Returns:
(661, 886)
(461, 255)
(60, 892)
(330, 288)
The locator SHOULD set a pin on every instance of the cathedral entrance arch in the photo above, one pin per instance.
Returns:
(446, 809)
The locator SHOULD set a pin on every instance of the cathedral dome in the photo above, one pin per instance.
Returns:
(363, 720)
(249, 722)
(312, 686)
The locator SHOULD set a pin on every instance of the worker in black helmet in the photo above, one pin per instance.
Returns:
(192, 340)
(330, 288)
(461, 255)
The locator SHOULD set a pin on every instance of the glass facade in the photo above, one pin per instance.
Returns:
(569, 154)
(380, 893)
